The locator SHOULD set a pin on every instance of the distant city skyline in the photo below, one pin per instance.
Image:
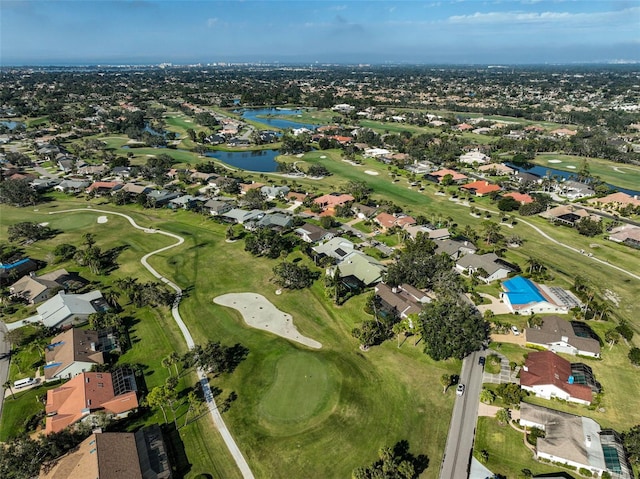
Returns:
(431, 32)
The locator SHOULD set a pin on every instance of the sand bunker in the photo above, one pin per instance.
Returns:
(372, 173)
(323, 157)
(554, 161)
(258, 312)
(571, 167)
(102, 219)
(43, 224)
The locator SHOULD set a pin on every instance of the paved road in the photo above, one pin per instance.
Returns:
(462, 429)
(213, 408)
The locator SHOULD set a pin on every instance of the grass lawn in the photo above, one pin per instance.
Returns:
(507, 453)
(16, 411)
(619, 174)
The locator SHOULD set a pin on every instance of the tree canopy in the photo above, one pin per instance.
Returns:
(451, 327)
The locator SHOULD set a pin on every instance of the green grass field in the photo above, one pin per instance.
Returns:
(619, 174)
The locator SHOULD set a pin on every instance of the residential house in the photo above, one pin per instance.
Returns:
(277, 221)
(419, 167)
(311, 233)
(576, 441)
(133, 189)
(487, 267)
(90, 170)
(71, 353)
(627, 234)
(376, 152)
(296, 197)
(567, 215)
(563, 132)
(244, 187)
(185, 202)
(162, 197)
(218, 207)
(273, 192)
(63, 308)
(13, 269)
(35, 289)
(387, 221)
(72, 186)
(337, 248)
(122, 172)
(521, 198)
(88, 393)
(358, 269)
(429, 231)
(525, 178)
(474, 157)
(547, 375)
(560, 336)
(115, 455)
(496, 169)
(574, 190)
(66, 164)
(481, 187)
(616, 201)
(454, 249)
(439, 175)
(329, 202)
(364, 212)
(403, 300)
(523, 296)
(239, 216)
(102, 187)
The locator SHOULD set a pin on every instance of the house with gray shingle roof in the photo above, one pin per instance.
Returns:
(558, 335)
(488, 267)
(63, 309)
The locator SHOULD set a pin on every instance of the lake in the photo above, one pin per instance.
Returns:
(263, 161)
(542, 171)
(253, 115)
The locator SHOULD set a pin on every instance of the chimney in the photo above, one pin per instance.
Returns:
(93, 346)
(565, 339)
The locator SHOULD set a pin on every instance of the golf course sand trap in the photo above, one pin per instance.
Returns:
(554, 161)
(102, 219)
(258, 312)
(372, 173)
(571, 167)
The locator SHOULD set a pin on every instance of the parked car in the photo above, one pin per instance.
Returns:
(481, 361)
(515, 331)
(460, 390)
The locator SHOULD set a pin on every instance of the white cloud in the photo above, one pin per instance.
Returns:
(566, 18)
(211, 22)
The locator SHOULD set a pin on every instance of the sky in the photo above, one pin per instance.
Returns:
(73, 32)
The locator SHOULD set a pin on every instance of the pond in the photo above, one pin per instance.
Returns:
(255, 114)
(263, 161)
(542, 171)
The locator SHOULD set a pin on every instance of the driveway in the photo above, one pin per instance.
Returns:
(496, 306)
(505, 375)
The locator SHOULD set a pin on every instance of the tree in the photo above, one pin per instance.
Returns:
(508, 203)
(18, 193)
(446, 380)
(588, 227)
(7, 385)
(634, 356)
(293, 276)
(625, 330)
(503, 416)
(358, 189)
(64, 251)
(631, 440)
(510, 393)
(195, 406)
(28, 231)
(254, 199)
(157, 397)
(491, 231)
(393, 463)
(487, 396)
(451, 328)
(612, 337)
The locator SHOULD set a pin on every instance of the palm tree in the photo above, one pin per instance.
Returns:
(7, 385)
(111, 296)
(166, 362)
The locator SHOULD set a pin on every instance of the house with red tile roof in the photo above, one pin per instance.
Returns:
(245, 187)
(100, 187)
(481, 188)
(387, 221)
(332, 200)
(563, 132)
(548, 375)
(521, 198)
(617, 200)
(87, 394)
(440, 174)
(463, 127)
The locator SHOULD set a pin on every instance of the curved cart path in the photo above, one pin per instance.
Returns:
(213, 408)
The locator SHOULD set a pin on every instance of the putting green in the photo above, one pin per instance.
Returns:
(75, 221)
(303, 393)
